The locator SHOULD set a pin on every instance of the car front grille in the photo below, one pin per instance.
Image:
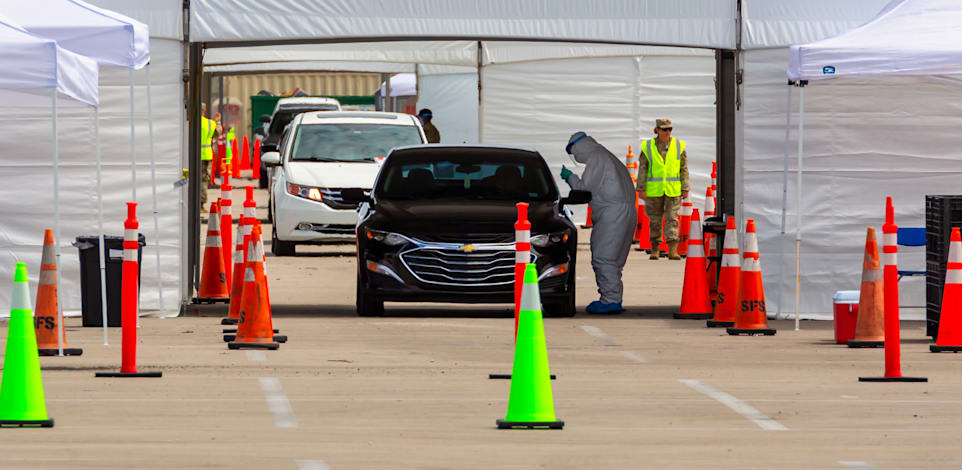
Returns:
(332, 197)
(507, 237)
(450, 264)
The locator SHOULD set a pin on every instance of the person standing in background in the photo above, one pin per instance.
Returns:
(431, 132)
(663, 181)
(208, 129)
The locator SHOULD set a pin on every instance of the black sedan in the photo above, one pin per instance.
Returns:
(439, 227)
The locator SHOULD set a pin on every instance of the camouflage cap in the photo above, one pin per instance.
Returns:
(662, 123)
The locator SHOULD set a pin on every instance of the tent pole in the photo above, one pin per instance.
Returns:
(56, 216)
(480, 102)
(798, 214)
(153, 187)
(100, 224)
(781, 240)
(133, 146)
(388, 104)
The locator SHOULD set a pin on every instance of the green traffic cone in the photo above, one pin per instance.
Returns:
(21, 391)
(530, 404)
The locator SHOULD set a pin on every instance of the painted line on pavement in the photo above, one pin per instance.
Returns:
(256, 356)
(857, 464)
(736, 405)
(312, 465)
(604, 339)
(278, 403)
(633, 356)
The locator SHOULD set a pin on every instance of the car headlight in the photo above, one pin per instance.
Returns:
(547, 239)
(305, 192)
(387, 238)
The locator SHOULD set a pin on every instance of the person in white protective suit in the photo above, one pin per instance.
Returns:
(613, 215)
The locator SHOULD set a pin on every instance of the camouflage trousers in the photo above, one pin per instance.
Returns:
(204, 181)
(667, 208)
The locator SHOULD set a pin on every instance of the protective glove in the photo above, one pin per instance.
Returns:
(565, 173)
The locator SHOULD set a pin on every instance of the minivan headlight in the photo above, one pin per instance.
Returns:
(548, 239)
(305, 192)
(387, 238)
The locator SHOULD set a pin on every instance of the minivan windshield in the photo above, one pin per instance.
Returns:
(350, 142)
(466, 175)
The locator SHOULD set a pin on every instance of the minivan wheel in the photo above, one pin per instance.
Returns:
(368, 305)
(280, 248)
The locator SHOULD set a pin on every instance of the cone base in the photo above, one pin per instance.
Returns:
(936, 348)
(893, 379)
(210, 300)
(865, 344)
(692, 316)
(17, 423)
(508, 377)
(751, 331)
(719, 324)
(276, 338)
(155, 373)
(502, 424)
(229, 321)
(234, 330)
(237, 345)
(55, 351)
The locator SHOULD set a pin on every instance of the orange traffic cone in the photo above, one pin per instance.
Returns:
(213, 279)
(226, 227)
(684, 225)
(587, 218)
(47, 319)
(237, 288)
(950, 317)
(694, 293)
(643, 230)
(235, 161)
(231, 333)
(711, 247)
(255, 329)
(751, 316)
(245, 163)
(869, 326)
(728, 281)
(256, 160)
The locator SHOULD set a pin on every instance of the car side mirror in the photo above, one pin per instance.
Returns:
(354, 196)
(271, 159)
(576, 197)
(264, 118)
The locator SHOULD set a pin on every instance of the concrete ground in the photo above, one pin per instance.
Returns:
(410, 390)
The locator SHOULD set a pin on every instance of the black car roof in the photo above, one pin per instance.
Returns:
(444, 149)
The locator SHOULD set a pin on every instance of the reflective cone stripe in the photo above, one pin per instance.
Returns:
(522, 256)
(950, 318)
(227, 227)
(22, 400)
(684, 225)
(751, 314)
(213, 279)
(869, 324)
(730, 276)
(530, 403)
(694, 293)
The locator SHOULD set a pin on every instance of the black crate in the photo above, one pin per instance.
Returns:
(942, 213)
(90, 302)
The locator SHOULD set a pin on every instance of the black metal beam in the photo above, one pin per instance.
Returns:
(194, 167)
(726, 88)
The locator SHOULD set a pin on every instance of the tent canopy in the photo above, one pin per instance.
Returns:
(107, 37)
(30, 63)
(692, 23)
(909, 37)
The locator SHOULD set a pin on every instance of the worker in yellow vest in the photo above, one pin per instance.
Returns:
(208, 128)
(663, 180)
(229, 140)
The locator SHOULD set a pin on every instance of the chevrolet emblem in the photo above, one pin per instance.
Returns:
(467, 248)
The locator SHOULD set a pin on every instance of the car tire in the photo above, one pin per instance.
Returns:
(270, 213)
(367, 304)
(281, 248)
(262, 181)
(564, 307)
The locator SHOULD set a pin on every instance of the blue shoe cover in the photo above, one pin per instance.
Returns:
(600, 307)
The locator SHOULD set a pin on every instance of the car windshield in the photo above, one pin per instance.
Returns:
(283, 117)
(350, 142)
(471, 175)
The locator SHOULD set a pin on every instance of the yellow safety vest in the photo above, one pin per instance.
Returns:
(664, 172)
(207, 129)
(229, 139)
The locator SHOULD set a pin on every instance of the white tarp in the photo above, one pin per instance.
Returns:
(910, 37)
(453, 101)
(31, 64)
(411, 52)
(782, 23)
(102, 35)
(694, 23)
(402, 84)
(312, 66)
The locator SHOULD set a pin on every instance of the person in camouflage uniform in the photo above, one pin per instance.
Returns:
(663, 183)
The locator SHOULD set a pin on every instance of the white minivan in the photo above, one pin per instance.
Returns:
(320, 154)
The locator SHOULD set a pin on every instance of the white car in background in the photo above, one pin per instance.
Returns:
(320, 154)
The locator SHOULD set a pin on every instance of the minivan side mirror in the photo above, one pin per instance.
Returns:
(354, 196)
(271, 159)
(576, 197)
(265, 118)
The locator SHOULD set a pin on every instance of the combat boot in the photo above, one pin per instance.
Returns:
(673, 251)
(654, 252)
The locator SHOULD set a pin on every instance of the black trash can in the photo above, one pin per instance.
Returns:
(89, 248)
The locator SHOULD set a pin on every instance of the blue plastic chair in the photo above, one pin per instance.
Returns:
(911, 236)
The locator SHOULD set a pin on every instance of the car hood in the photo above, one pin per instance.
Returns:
(467, 217)
(332, 174)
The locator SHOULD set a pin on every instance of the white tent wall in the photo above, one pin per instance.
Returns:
(864, 140)
(453, 100)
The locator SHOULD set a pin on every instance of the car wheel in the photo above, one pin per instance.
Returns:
(368, 305)
(270, 213)
(262, 182)
(564, 307)
(280, 248)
